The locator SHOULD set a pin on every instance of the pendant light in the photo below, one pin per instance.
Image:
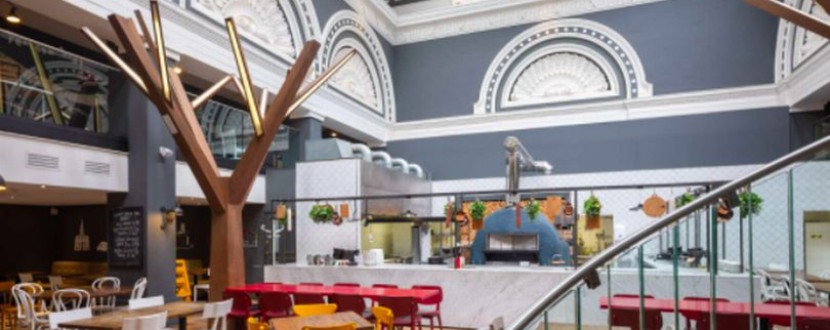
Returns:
(2, 183)
(12, 16)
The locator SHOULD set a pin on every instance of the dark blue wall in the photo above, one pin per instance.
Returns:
(685, 45)
(728, 138)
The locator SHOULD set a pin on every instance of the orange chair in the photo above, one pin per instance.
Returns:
(384, 319)
(314, 309)
(347, 326)
(631, 318)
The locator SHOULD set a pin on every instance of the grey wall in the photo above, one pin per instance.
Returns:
(729, 138)
(685, 45)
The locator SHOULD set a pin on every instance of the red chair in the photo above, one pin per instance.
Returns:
(725, 321)
(374, 302)
(403, 308)
(349, 302)
(432, 301)
(309, 299)
(695, 316)
(274, 305)
(631, 318)
(241, 308)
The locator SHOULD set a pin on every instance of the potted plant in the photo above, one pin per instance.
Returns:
(532, 208)
(750, 203)
(477, 212)
(281, 215)
(321, 213)
(684, 199)
(593, 208)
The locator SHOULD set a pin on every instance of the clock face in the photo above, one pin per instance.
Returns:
(75, 87)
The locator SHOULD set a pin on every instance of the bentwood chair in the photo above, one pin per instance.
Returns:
(33, 289)
(314, 309)
(435, 300)
(70, 299)
(149, 322)
(56, 318)
(346, 326)
(105, 283)
(8, 311)
(32, 319)
(139, 288)
(384, 318)
(631, 319)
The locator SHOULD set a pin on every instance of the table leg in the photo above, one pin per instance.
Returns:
(183, 323)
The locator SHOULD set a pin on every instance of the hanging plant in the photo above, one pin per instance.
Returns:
(321, 213)
(684, 199)
(477, 212)
(750, 201)
(281, 215)
(592, 207)
(533, 208)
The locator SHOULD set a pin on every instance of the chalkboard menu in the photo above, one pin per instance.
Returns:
(126, 238)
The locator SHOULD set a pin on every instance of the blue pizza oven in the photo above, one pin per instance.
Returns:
(535, 241)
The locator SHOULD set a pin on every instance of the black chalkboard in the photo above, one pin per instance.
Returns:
(126, 238)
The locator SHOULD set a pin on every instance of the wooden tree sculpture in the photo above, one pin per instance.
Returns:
(796, 16)
(225, 195)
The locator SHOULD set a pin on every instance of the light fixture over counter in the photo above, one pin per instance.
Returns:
(12, 16)
(2, 184)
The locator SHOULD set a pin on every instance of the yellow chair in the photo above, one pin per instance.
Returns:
(347, 326)
(255, 324)
(383, 318)
(314, 309)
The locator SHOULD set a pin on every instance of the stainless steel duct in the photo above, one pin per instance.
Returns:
(416, 170)
(384, 158)
(400, 163)
(362, 150)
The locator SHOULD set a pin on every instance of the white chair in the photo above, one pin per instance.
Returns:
(33, 289)
(31, 318)
(200, 287)
(806, 291)
(825, 275)
(217, 314)
(70, 299)
(146, 302)
(25, 277)
(149, 322)
(139, 288)
(105, 283)
(56, 318)
(773, 289)
(55, 282)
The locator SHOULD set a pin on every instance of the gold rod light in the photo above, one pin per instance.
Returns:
(57, 117)
(318, 82)
(161, 52)
(207, 94)
(244, 75)
(263, 102)
(115, 58)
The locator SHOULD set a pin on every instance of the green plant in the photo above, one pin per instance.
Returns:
(321, 213)
(592, 207)
(532, 208)
(684, 199)
(477, 210)
(750, 201)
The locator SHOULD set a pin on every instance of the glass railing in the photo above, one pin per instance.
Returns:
(47, 84)
(763, 263)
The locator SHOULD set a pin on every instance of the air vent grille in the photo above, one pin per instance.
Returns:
(42, 161)
(96, 168)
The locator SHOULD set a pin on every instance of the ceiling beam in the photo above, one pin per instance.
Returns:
(794, 15)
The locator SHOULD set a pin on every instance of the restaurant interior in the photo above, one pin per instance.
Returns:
(403, 164)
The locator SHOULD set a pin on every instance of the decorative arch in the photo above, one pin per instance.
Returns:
(367, 78)
(795, 44)
(562, 61)
(278, 26)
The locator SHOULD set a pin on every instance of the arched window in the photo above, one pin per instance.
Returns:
(560, 62)
(366, 78)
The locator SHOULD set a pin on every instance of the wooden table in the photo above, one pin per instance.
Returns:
(113, 321)
(122, 292)
(297, 323)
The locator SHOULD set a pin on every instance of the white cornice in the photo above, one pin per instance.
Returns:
(702, 102)
(450, 21)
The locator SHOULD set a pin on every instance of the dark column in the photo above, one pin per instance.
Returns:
(152, 181)
(304, 129)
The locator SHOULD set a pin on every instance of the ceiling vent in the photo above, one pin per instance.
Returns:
(40, 161)
(92, 167)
